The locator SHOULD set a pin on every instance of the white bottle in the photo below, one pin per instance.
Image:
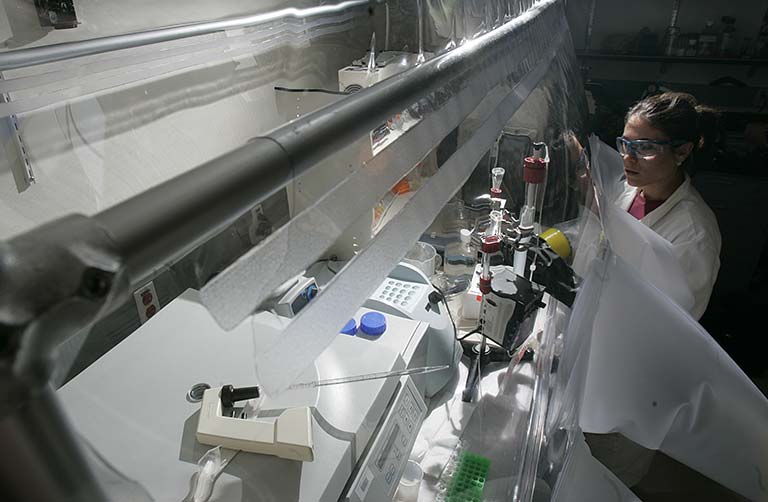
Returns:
(460, 258)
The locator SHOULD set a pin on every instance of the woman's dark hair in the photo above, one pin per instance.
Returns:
(680, 117)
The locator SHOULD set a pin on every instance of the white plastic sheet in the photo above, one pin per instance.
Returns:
(584, 479)
(316, 327)
(656, 376)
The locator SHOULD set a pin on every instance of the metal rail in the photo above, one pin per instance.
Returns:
(160, 224)
(21, 58)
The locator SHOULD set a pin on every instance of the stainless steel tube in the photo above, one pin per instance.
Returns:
(162, 223)
(21, 58)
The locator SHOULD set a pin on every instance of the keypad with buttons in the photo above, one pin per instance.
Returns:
(400, 293)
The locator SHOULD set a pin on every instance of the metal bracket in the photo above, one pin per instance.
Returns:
(55, 280)
(13, 122)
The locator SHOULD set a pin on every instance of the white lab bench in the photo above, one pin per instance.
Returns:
(130, 406)
(497, 425)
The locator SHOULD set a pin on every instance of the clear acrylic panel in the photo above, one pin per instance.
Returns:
(86, 134)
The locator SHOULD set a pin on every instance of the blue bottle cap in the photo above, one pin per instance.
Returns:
(373, 323)
(350, 328)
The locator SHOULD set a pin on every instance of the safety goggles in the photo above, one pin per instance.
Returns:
(644, 148)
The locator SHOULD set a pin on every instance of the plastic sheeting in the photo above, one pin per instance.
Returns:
(313, 230)
(654, 374)
(248, 282)
(87, 133)
(98, 129)
(584, 479)
(657, 377)
(526, 423)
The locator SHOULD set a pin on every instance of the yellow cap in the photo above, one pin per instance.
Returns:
(557, 241)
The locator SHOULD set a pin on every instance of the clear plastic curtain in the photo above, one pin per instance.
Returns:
(654, 374)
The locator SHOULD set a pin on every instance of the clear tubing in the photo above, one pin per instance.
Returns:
(518, 263)
(420, 58)
(495, 226)
(528, 213)
(534, 173)
(527, 222)
(368, 376)
(372, 56)
(485, 272)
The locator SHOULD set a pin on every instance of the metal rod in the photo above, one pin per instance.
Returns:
(675, 13)
(386, 26)
(162, 223)
(22, 58)
(590, 25)
(38, 424)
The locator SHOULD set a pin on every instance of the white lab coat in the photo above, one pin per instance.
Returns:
(687, 223)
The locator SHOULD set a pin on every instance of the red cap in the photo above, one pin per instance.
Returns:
(534, 170)
(491, 244)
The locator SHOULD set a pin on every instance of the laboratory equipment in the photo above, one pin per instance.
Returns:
(289, 435)
(408, 490)
(367, 376)
(726, 47)
(497, 176)
(460, 257)
(297, 297)
(59, 14)
(467, 477)
(424, 257)
(210, 466)
(535, 175)
(347, 428)
(127, 241)
(472, 298)
(510, 293)
(408, 293)
(708, 40)
(379, 473)
(365, 72)
(509, 301)
(490, 245)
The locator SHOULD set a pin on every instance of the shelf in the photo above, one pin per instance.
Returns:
(752, 63)
(672, 59)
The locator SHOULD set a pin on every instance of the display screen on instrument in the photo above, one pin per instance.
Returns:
(387, 446)
(300, 302)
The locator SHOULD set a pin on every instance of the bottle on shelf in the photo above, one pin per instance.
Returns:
(761, 43)
(727, 46)
(671, 41)
(747, 48)
(708, 40)
(460, 257)
(691, 48)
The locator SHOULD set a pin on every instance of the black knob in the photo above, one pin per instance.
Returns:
(229, 395)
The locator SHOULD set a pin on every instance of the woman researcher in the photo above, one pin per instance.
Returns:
(662, 135)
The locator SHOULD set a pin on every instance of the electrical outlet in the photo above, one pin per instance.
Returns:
(146, 300)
